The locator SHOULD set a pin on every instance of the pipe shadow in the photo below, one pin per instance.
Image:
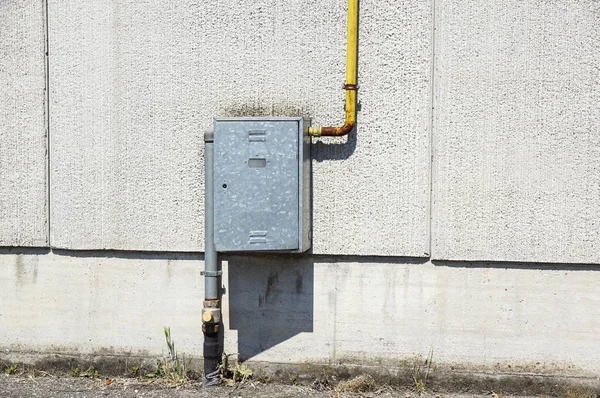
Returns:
(322, 151)
(368, 259)
(130, 254)
(270, 300)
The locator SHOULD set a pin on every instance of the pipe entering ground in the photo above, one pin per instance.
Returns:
(211, 312)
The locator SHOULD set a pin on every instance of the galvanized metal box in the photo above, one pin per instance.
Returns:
(262, 184)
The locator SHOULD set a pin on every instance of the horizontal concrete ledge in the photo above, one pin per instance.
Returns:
(517, 265)
(133, 254)
(439, 378)
(321, 258)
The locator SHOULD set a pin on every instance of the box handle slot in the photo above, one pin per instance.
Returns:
(257, 163)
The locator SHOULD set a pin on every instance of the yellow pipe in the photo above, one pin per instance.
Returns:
(350, 86)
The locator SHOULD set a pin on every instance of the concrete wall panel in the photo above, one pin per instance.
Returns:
(307, 310)
(517, 131)
(135, 84)
(84, 305)
(23, 143)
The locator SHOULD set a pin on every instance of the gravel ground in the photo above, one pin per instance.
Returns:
(70, 387)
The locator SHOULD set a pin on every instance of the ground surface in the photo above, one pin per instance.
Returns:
(79, 387)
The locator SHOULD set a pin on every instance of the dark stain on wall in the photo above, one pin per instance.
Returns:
(271, 291)
(299, 282)
(265, 110)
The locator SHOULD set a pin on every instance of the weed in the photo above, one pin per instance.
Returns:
(134, 371)
(75, 372)
(224, 370)
(171, 368)
(242, 372)
(293, 379)
(12, 369)
(420, 386)
(91, 372)
(236, 372)
(266, 379)
(421, 372)
(23, 369)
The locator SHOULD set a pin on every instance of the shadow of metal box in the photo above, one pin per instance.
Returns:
(262, 183)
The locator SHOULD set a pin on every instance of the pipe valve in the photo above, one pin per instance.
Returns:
(211, 312)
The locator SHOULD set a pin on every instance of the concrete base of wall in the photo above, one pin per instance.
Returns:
(438, 378)
(335, 313)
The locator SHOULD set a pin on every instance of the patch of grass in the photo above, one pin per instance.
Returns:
(172, 368)
(91, 372)
(421, 371)
(23, 369)
(358, 385)
(75, 372)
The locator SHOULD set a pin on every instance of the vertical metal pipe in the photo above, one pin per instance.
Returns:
(350, 86)
(211, 313)
(211, 266)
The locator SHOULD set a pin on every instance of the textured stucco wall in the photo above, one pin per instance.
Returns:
(517, 131)
(294, 309)
(23, 215)
(134, 85)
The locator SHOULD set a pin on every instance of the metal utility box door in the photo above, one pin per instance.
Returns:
(262, 181)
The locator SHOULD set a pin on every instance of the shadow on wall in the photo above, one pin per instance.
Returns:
(517, 265)
(271, 300)
(324, 150)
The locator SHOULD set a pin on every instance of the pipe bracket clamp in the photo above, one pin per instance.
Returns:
(211, 273)
(351, 87)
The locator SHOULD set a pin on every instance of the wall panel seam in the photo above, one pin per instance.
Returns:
(47, 117)
(432, 125)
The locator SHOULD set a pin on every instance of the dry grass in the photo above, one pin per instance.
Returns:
(358, 385)
(579, 392)
(421, 371)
